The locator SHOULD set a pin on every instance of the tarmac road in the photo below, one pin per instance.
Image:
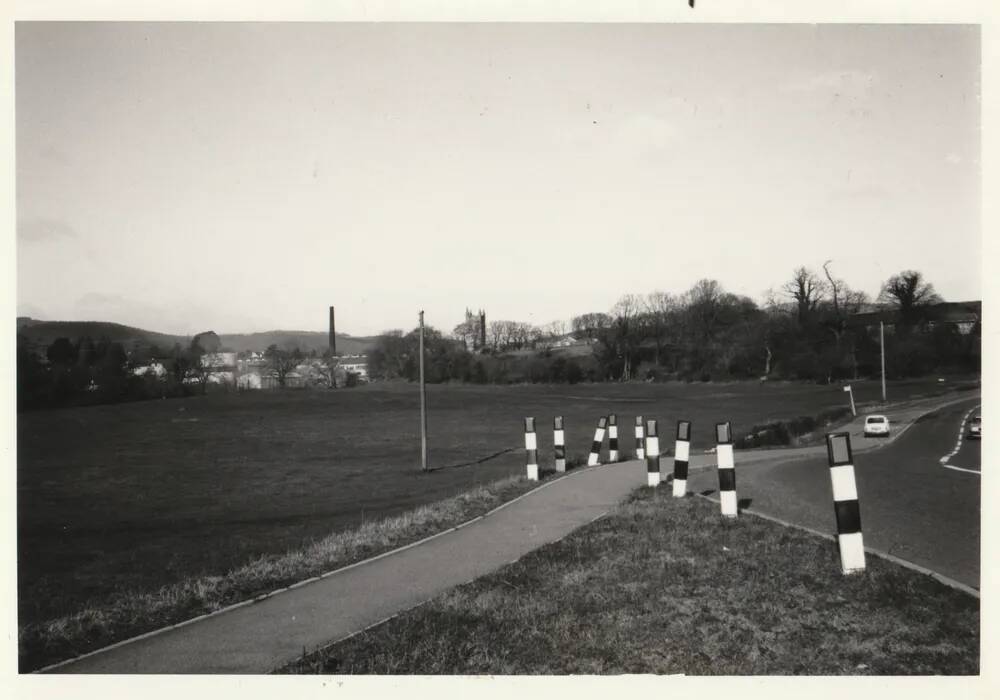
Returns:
(912, 506)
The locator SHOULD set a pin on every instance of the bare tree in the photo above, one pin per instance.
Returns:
(554, 329)
(625, 336)
(908, 292)
(660, 308)
(497, 334)
(807, 290)
(702, 305)
(591, 324)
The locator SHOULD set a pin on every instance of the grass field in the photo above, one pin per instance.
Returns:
(667, 586)
(135, 496)
(131, 613)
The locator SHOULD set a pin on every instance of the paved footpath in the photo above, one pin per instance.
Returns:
(267, 634)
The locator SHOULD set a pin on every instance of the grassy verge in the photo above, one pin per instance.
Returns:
(799, 431)
(135, 612)
(664, 586)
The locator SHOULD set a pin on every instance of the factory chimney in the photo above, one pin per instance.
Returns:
(333, 334)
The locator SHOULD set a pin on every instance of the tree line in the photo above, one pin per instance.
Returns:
(88, 372)
(806, 329)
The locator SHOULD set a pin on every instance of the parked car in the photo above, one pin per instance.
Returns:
(975, 428)
(876, 425)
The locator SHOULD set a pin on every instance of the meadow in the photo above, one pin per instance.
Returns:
(131, 497)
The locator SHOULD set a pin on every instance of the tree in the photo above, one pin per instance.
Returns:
(806, 289)
(32, 378)
(282, 361)
(660, 308)
(591, 324)
(909, 293)
(110, 369)
(624, 334)
(61, 352)
(391, 356)
(199, 360)
(844, 303)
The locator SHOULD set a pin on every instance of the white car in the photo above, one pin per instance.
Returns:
(975, 428)
(876, 425)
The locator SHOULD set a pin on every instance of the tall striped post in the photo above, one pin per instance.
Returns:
(845, 502)
(682, 451)
(640, 434)
(559, 441)
(612, 438)
(652, 454)
(595, 449)
(531, 449)
(727, 469)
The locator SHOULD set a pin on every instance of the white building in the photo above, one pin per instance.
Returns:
(355, 364)
(155, 368)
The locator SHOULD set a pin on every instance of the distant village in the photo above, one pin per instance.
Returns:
(252, 370)
(274, 368)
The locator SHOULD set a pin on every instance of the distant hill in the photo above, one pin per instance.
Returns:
(43, 333)
(305, 340)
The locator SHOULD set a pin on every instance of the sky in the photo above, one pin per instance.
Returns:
(244, 177)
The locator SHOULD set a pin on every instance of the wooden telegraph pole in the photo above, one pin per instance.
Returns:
(423, 401)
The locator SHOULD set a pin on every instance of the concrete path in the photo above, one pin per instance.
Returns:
(264, 635)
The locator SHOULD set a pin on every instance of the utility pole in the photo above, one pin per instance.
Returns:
(423, 401)
(881, 337)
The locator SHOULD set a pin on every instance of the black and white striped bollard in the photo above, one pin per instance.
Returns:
(727, 469)
(652, 455)
(682, 451)
(640, 434)
(845, 502)
(612, 438)
(595, 449)
(559, 442)
(531, 448)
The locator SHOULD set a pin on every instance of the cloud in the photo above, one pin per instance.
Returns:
(39, 230)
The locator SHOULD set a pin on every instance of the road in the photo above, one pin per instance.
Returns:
(912, 506)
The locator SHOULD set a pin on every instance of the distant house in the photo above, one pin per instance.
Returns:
(155, 368)
(223, 367)
(354, 364)
(565, 341)
(249, 380)
(264, 379)
(219, 359)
